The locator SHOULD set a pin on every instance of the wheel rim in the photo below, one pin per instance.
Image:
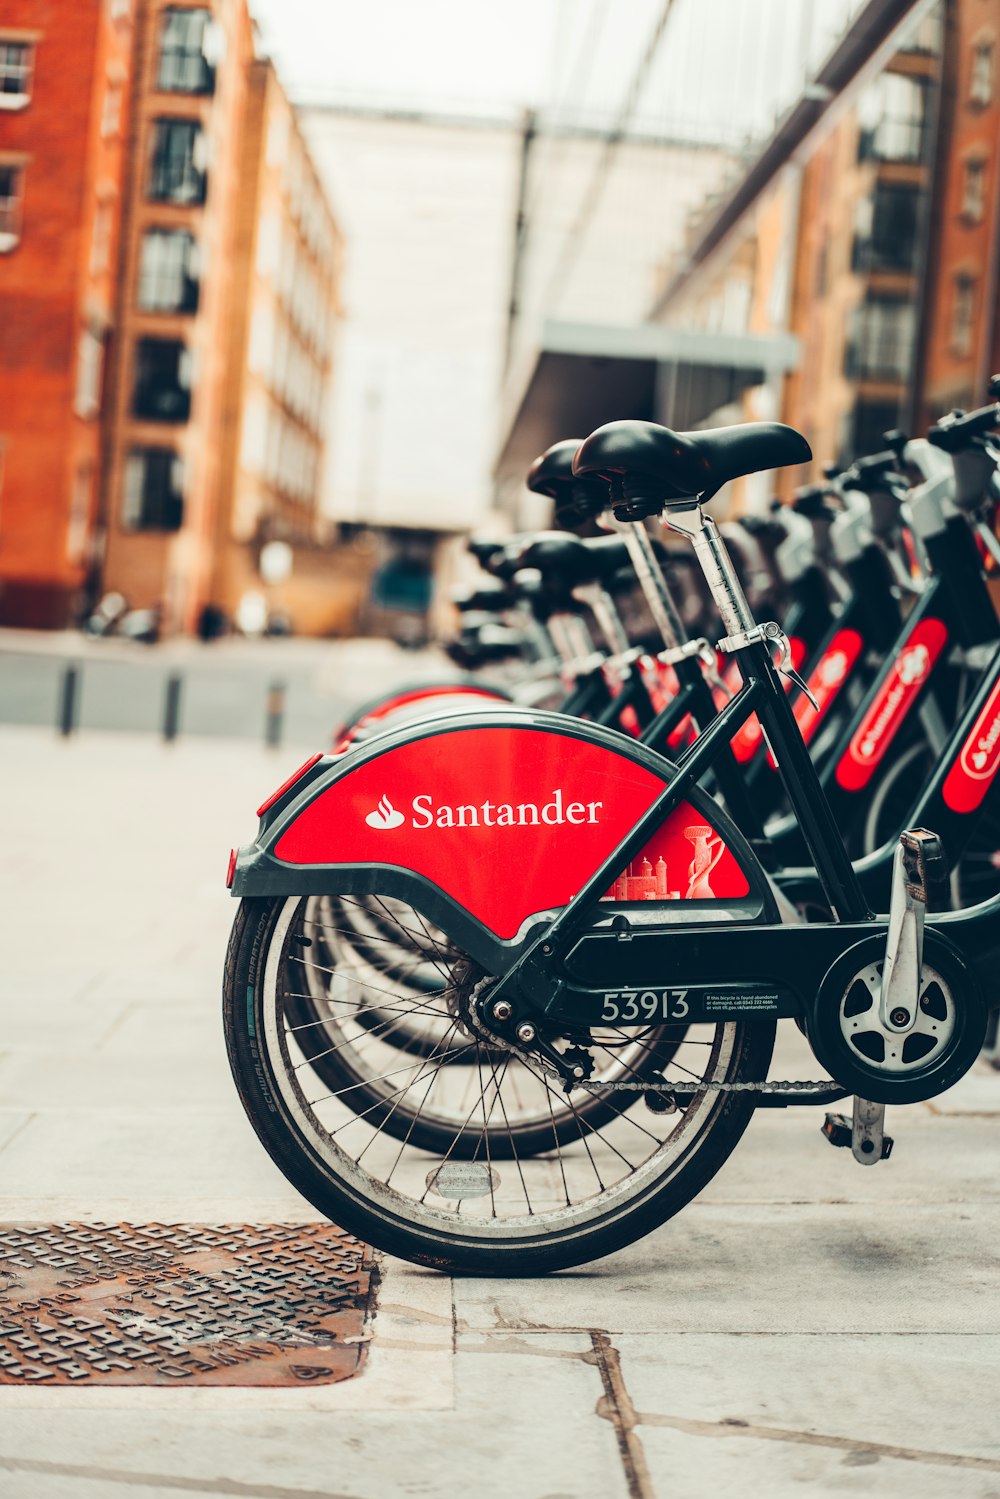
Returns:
(606, 1171)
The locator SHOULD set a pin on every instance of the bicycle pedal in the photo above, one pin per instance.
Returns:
(837, 1130)
(925, 863)
(659, 1101)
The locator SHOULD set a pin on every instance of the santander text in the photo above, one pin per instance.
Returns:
(504, 814)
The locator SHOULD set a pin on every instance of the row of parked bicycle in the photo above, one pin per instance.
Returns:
(502, 991)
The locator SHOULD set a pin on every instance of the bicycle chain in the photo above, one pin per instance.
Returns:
(776, 1085)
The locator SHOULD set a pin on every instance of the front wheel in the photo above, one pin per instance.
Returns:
(462, 1206)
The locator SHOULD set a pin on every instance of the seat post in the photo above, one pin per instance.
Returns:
(652, 582)
(570, 637)
(609, 622)
(710, 549)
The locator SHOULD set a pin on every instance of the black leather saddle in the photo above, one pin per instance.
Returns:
(485, 547)
(485, 595)
(566, 562)
(576, 499)
(662, 466)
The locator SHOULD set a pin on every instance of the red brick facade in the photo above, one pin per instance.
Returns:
(962, 347)
(61, 151)
(159, 557)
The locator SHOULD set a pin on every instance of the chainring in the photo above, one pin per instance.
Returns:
(847, 1036)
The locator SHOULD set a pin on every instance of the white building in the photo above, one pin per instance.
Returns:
(427, 208)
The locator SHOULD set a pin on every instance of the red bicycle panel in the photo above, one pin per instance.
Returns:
(969, 779)
(828, 676)
(684, 860)
(748, 740)
(419, 694)
(507, 821)
(885, 716)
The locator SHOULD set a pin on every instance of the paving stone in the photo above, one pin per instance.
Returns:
(796, 1267)
(109, 1155)
(902, 1415)
(60, 1080)
(491, 1442)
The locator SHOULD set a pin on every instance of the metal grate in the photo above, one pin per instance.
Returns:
(184, 1304)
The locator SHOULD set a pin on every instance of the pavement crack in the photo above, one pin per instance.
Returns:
(531, 1348)
(158, 1481)
(615, 1405)
(414, 1314)
(18, 1130)
(735, 1427)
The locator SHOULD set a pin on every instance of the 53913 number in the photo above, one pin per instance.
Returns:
(645, 1004)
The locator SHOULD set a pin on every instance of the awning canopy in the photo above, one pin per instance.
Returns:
(583, 374)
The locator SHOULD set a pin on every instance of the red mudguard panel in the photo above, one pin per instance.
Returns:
(429, 694)
(882, 722)
(826, 679)
(748, 739)
(971, 776)
(509, 821)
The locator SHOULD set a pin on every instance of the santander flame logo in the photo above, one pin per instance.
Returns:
(385, 815)
(913, 665)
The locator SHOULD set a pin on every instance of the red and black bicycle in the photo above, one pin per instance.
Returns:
(593, 945)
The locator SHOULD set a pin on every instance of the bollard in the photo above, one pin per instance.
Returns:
(172, 709)
(69, 699)
(275, 715)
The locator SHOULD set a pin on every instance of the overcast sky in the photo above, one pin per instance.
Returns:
(494, 54)
(721, 63)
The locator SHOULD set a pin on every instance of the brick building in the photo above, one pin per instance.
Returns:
(64, 99)
(962, 344)
(168, 293)
(285, 305)
(162, 473)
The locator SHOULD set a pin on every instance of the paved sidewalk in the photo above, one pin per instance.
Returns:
(807, 1326)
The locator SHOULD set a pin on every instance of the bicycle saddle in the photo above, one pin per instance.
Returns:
(485, 547)
(656, 464)
(486, 595)
(576, 499)
(554, 467)
(815, 502)
(566, 562)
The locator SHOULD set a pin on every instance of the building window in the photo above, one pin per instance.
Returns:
(11, 190)
(168, 271)
(111, 117)
(178, 161)
(16, 66)
(89, 373)
(973, 188)
(963, 311)
(886, 229)
(891, 120)
(880, 342)
(162, 391)
(864, 432)
(153, 493)
(79, 513)
(185, 46)
(100, 243)
(981, 80)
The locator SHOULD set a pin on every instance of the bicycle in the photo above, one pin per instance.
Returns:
(547, 966)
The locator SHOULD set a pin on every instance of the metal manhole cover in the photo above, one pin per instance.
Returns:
(273, 1304)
